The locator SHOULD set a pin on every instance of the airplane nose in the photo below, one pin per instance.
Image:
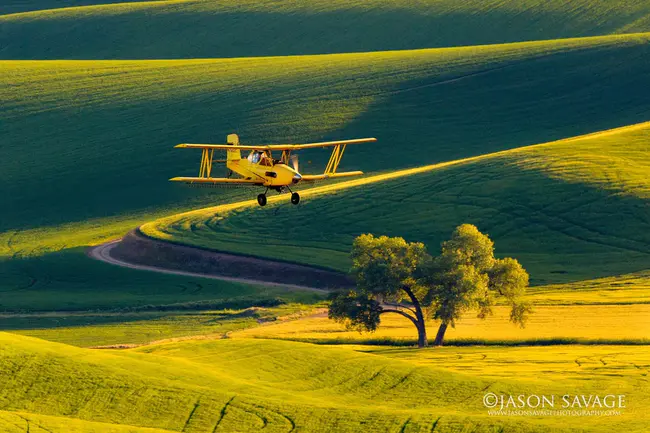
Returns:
(297, 178)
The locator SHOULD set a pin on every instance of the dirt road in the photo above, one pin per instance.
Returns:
(103, 253)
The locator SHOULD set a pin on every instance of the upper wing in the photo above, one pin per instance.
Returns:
(321, 144)
(276, 146)
(216, 180)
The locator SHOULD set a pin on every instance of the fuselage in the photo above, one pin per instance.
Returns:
(260, 166)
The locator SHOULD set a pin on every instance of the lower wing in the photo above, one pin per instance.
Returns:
(216, 181)
(324, 176)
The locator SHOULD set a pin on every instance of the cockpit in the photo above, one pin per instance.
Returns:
(261, 158)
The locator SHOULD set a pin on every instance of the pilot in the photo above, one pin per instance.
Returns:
(265, 160)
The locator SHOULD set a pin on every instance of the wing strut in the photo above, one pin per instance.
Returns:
(206, 163)
(335, 158)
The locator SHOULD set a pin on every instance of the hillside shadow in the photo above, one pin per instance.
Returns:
(70, 281)
(196, 30)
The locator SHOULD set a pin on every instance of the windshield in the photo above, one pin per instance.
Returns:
(254, 157)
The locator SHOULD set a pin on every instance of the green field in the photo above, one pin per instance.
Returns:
(94, 95)
(177, 387)
(236, 28)
(549, 206)
(124, 328)
(106, 130)
(19, 6)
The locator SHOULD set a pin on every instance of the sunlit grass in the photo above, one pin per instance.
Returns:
(620, 289)
(249, 384)
(544, 364)
(92, 329)
(547, 323)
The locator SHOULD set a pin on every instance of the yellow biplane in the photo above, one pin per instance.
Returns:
(260, 168)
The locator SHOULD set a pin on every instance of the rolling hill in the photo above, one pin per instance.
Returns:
(103, 132)
(95, 93)
(550, 206)
(19, 6)
(204, 386)
(235, 28)
(87, 146)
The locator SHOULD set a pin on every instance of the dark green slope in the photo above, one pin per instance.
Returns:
(20, 6)
(84, 140)
(234, 28)
(571, 210)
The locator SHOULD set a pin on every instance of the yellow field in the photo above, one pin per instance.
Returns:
(621, 289)
(545, 364)
(594, 322)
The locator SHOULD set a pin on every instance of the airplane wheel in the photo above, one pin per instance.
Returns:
(261, 199)
(295, 198)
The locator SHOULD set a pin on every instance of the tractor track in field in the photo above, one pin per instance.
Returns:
(103, 253)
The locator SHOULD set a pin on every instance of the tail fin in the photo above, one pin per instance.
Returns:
(233, 155)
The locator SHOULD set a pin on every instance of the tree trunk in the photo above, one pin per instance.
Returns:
(422, 335)
(419, 317)
(422, 332)
(440, 336)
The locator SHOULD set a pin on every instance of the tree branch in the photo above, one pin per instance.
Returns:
(400, 306)
(401, 313)
(411, 295)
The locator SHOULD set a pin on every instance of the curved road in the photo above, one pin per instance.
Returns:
(103, 253)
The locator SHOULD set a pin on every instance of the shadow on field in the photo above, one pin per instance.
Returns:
(191, 30)
(69, 281)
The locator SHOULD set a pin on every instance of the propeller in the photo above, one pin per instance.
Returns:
(294, 162)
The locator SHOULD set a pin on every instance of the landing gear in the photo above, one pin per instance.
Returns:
(295, 197)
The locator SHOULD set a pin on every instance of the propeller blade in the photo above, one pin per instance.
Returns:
(294, 162)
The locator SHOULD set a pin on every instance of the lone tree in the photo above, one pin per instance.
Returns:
(394, 276)
(466, 276)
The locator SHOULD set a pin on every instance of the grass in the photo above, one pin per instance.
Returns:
(20, 6)
(625, 324)
(69, 281)
(231, 28)
(93, 329)
(195, 385)
(555, 364)
(550, 206)
(92, 122)
(87, 148)
(620, 289)
(18, 422)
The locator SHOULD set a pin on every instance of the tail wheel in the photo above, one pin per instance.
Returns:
(295, 198)
(261, 199)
